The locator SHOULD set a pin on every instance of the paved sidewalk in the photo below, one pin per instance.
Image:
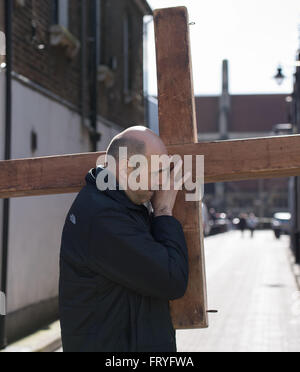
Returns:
(251, 283)
(43, 341)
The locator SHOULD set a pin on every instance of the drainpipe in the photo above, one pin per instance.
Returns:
(95, 61)
(83, 62)
(295, 181)
(7, 156)
(147, 21)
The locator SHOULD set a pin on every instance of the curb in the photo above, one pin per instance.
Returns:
(46, 340)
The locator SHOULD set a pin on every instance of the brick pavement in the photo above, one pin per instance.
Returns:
(251, 283)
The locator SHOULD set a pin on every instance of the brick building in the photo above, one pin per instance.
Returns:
(76, 81)
(238, 117)
(50, 57)
(249, 115)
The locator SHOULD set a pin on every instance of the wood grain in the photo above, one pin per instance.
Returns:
(177, 125)
(45, 176)
(239, 160)
(227, 161)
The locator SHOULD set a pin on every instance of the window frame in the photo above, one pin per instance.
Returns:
(60, 13)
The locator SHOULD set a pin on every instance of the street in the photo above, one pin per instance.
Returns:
(250, 283)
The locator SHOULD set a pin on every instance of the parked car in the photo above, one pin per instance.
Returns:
(221, 223)
(281, 224)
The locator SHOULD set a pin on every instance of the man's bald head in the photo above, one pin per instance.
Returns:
(138, 141)
(133, 146)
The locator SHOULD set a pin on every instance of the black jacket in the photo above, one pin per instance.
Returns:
(119, 267)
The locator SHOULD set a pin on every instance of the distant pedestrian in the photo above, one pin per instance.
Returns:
(243, 223)
(252, 223)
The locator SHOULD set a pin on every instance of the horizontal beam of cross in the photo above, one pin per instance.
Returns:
(241, 160)
(224, 161)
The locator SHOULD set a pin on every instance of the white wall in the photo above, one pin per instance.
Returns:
(36, 222)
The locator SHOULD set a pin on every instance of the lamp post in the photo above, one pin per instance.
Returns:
(295, 181)
(279, 77)
(296, 123)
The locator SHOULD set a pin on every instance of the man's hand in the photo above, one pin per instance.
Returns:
(163, 201)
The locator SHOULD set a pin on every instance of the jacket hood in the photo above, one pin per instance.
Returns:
(118, 194)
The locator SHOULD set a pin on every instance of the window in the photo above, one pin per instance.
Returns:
(2, 34)
(2, 37)
(61, 13)
(127, 53)
(2, 44)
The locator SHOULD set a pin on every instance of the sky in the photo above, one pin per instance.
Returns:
(256, 36)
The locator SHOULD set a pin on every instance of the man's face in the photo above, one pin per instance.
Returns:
(150, 175)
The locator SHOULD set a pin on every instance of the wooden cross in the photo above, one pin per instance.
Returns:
(224, 161)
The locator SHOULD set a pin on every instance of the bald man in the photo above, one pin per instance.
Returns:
(123, 257)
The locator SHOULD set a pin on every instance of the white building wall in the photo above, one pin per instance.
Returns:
(36, 222)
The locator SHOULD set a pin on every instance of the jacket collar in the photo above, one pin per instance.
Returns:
(118, 194)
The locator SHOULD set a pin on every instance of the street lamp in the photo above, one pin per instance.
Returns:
(279, 77)
(294, 187)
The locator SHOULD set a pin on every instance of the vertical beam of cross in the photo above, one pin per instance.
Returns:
(177, 124)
